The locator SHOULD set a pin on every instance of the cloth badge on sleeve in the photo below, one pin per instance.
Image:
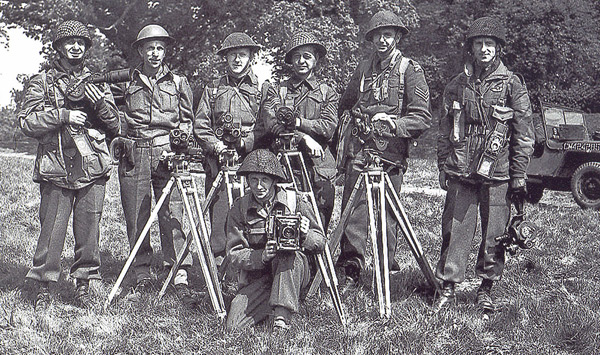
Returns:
(422, 93)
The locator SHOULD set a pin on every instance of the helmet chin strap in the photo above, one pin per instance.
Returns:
(240, 74)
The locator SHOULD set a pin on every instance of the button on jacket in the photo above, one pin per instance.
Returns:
(155, 107)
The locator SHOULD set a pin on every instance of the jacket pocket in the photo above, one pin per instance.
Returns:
(50, 163)
(169, 97)
(136, 100)
(97, 164)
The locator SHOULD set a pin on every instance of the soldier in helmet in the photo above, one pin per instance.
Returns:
(72, 163)
(315, 114)
(225, 119)
(270, 281)
(157, 101)
(485, 141)
(390, 88)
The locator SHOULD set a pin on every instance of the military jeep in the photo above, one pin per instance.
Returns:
(566, 155)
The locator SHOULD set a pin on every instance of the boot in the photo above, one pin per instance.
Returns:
(42, 298)
(484, 296)
(447, 297)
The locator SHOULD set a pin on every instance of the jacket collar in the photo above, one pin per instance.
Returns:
(163, 72)
(250, 78)
(312, 82)
(280, 199)
(498, 71)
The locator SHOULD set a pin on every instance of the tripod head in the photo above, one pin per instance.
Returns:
(229, 159)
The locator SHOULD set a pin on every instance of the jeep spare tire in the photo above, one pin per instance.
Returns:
(585, 185)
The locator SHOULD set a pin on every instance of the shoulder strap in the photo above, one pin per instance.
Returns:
(282, 93)
(324, 88)
(291, 197)
(402, 71)
(215, 89)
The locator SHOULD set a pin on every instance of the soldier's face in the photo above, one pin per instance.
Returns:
(152, 53)
(385, 39)
(73, 48)
(304, 60)
(238, 59)
(484, 50)
(261, 185)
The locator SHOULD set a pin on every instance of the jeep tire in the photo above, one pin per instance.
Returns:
(585, 185)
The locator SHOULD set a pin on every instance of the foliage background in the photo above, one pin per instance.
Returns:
(555, 44)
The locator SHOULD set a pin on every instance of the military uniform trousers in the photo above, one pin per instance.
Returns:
(459, 222)
(354, 239)
(137, 182)
(55, 209)
(218, 214)
(280, 285)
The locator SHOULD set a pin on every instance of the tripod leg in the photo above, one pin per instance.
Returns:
(180, 256)
(213, 287)
(214, 189)
(165, 192)
(212, 264)
(373, 233)
(384, 245)
(336, 235)
(229, 188)
(409, 234)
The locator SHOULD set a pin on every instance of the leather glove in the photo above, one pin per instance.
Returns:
(443, 180)
(517, 190)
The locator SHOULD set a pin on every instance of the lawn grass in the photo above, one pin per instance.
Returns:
(549, 294)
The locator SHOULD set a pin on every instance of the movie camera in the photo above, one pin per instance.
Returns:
(285, 231)
(519, 233)
(368, 132)
(76, 88)
(229, 131)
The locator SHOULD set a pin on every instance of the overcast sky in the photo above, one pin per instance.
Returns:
(21, 57)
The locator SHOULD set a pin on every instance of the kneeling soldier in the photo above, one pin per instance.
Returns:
(272, 273)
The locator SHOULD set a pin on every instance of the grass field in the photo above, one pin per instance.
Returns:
(549, 294)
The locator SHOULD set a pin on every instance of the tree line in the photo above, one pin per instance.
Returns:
(554, 44)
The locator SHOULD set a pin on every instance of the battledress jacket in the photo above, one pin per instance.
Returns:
(154, 109)
(376, 86)
(224, 96)
(45, 116)
(317, 111)
(477, 105)
(245, 249)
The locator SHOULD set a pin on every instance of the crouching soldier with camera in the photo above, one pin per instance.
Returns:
(270, 233)
(486, 139)
(72, 163)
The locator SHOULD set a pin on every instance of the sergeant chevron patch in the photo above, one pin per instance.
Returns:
(422, 93)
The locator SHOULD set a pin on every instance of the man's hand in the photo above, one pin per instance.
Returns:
(443, 180)
(382, 116)
(93, 93)
(269, 253)
(304, 224)
(517, 190)
(77, 117)
(277, 129)
(314, 148)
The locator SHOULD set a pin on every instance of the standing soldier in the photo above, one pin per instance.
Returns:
(314, 105)
(391, 88)
(72, 163)
(270, 280)
(157, 101)
(225, 119)
(486, 138)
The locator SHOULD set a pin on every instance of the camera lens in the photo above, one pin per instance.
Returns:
(288, 232)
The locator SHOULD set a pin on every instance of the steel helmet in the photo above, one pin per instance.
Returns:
(72, 28)
(152, 32)
(262, 161)
(487, 27)
(384, 18)
(237, 40)
(302, 39)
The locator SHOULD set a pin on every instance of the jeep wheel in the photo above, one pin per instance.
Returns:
(535, 192)
(585, 185)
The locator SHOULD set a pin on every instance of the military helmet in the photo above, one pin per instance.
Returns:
(487, 27)
(152, 32)
(72, 28)
(302, 39)
(262, 161)
(237, 40)
(384, 18)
